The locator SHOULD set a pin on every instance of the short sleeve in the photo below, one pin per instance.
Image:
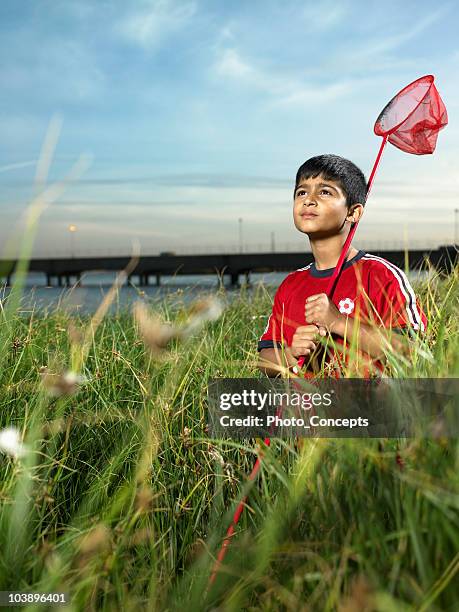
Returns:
(397, 305)
(274, 333)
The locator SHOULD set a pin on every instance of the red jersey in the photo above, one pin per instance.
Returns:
(369, 287)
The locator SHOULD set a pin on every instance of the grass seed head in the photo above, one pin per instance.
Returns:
(202, 311)
(360, 598)
(142, 536)
(213, 452)
(143, 499)
(97, 540)
(58, 385)
(186, 437)
(155, 334)
(75, 335)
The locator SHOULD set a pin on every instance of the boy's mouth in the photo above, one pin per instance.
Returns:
(308, 215)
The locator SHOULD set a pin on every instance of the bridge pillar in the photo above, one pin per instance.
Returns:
(158, 279)
(8, 280)
(59, 280)
(146, 278)
(234, 279)
(247, 279)
(447, 258)
(48, 280)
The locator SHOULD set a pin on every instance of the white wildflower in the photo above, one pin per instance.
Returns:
(10, 443)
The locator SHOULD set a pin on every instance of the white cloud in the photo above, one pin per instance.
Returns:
(149, 25)
(59, 69)
(17, 165)
(232, 65)
(83, 9)
(314, 94)
(390, 43)
(324, 15)
(226, 33)
(379, 50)
(285, 90)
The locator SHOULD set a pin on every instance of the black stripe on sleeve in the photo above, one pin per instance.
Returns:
(262, 344)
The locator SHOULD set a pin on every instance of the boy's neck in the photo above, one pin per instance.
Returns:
(326, 252)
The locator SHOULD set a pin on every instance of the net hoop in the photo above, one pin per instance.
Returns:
(428, 79)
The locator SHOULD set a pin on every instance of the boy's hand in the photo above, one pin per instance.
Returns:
(302, 341)
(319, 309)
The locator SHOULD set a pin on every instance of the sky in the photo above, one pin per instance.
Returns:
(193, 115)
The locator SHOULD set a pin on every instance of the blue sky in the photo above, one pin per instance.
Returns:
(198, 113)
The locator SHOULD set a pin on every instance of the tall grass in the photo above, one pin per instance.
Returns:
(122, 499)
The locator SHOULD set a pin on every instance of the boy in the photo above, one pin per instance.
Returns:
(372, 296)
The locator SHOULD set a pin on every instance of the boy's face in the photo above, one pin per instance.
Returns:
(319, 207)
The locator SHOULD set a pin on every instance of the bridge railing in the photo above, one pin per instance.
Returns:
(209, 249)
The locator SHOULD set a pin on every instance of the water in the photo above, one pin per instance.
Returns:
(184, 289)
(86, 298)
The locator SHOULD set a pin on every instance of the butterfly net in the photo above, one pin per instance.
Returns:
(412, 119)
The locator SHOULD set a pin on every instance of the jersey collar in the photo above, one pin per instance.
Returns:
(329, 271)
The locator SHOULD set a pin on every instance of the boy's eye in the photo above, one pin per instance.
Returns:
(322, 191)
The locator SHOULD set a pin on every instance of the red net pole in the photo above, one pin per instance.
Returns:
(236, 516)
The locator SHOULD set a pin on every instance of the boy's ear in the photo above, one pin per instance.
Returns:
(355, 212)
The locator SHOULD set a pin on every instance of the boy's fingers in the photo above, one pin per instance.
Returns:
(311, 298)
(307, 328)
(306, 334)
(305, 338)
(306, 343)
(309, 311)
(312, 317)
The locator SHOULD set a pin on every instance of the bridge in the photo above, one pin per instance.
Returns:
(61, 271)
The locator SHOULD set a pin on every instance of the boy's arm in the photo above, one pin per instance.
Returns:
(273, 361)
(371, 339)
(272, 345)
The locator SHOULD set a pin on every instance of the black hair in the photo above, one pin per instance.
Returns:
(335, 168)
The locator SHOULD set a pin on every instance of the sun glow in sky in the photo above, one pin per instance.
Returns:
(198, 113)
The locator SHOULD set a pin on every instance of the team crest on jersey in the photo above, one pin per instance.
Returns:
(346, 306)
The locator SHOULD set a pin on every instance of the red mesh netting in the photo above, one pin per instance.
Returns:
(413, 117)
